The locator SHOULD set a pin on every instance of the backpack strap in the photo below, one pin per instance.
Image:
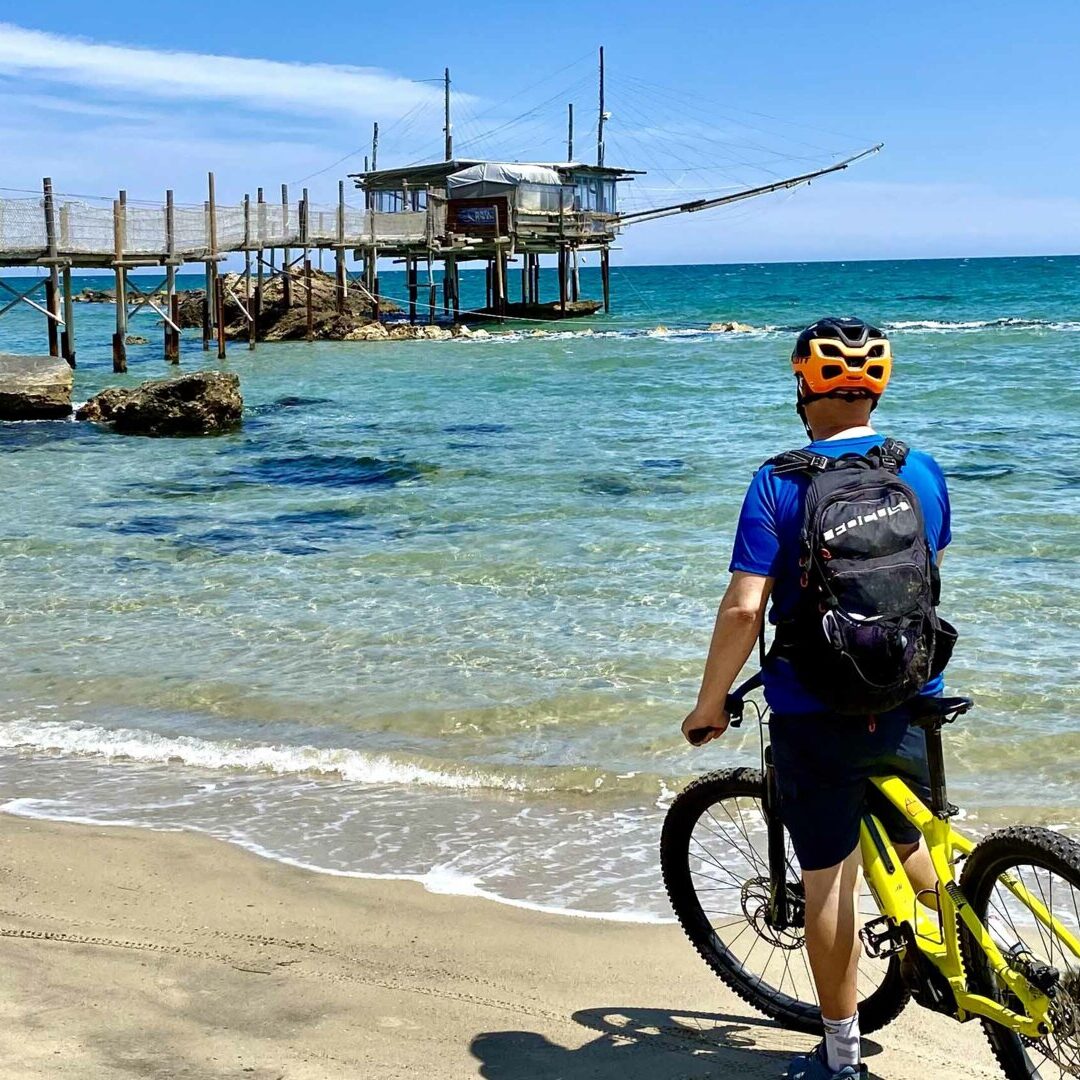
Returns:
(892, 453)
(799, 461)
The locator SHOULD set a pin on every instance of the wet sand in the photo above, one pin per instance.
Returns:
(129, 953)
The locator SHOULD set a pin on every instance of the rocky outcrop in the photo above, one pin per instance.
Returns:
(136, 339)
(34, 388)
(729, 328)
(281, 323)
(199, 403)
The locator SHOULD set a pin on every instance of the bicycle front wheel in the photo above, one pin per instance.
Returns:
(1024, 885)
(713, 852)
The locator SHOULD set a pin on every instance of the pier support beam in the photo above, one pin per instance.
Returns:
(67, 337)
(119, 342)
(605, 277)
(410, 276)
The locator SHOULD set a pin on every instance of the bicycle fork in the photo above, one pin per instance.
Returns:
(779, 897)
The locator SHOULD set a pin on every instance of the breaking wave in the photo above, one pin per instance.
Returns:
(339, 763)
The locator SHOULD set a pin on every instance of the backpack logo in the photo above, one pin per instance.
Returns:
(860, 519)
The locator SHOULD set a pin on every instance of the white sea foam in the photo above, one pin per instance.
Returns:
(441, 880)
(143, 746)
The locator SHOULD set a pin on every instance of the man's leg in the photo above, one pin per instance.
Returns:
(832, 942)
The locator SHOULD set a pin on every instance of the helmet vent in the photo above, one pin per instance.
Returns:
(829, 350)
(876, 351)
(875, 371)
(831, 371)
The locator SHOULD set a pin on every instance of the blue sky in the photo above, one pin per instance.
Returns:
(976, 104)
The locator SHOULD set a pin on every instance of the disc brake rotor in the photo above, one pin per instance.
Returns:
(756, 895)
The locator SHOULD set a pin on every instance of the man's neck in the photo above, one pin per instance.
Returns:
(828, 433)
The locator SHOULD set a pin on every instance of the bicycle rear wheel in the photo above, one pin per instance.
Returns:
(713, 852)
(1046, 865)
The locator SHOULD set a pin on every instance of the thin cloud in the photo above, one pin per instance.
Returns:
(263, 84)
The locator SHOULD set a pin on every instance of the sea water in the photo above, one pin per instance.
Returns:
(439, 608)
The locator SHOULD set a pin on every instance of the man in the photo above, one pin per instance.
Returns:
(822, 760)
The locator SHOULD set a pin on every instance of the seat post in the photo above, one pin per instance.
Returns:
(939, 795)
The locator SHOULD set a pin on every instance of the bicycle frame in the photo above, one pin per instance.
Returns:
(937, 933)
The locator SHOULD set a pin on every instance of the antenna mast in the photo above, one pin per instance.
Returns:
(570, 132)
(602, 116)
(448, 131)
(375, 147)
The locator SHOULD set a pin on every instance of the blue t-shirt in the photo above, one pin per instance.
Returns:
(767, 543)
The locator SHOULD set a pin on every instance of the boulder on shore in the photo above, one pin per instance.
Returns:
(198, 403)
(279, 322)
(34, 388)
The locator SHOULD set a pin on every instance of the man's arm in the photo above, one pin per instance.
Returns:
(736, 631)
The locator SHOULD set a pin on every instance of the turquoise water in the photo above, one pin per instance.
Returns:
(439, 608)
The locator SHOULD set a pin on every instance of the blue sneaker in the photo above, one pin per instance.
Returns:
(813, 1066)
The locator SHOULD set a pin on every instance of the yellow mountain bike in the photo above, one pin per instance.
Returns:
(998, 939)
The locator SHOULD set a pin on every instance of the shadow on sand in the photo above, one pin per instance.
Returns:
(640, 1044)
(633, 1044)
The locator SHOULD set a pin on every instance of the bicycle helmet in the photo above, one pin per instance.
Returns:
(843, 358)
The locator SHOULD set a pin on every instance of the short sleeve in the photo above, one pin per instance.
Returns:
(945, 532)
(757, 539)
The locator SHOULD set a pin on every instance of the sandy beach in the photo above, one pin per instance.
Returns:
(131, 953)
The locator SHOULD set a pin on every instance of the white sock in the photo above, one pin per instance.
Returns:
(842, 1042)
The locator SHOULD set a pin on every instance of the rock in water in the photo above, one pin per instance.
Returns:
(199, 403)
(34, 388)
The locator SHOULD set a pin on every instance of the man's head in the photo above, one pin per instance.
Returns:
(841, 367)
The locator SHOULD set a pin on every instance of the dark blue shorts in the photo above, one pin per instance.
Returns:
(823, 763)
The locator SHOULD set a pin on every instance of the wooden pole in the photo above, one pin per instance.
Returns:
(500, 278)
(52, 286)
(524, 278)
(256, 305)
(455, 290)
(570, 131)
(172, 301)
(208, 300)
(67, 338)
(375, 147)
(247, 271)
(487, 283)
(219, 285)
(605, 277)
(410, 274)
(119, 346)
(575, 277)
(433, 292)
(309, 299)
(286, 282)
(341, 277)
(448, 130)
(602, 116)
(562, 250)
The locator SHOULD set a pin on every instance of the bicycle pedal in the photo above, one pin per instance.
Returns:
(881, 938)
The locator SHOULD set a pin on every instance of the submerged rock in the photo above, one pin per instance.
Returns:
(34, 388)
(136, 339)
(198, 403)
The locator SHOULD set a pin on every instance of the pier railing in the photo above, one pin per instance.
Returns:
(84, 232)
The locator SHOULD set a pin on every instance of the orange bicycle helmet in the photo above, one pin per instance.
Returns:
(843, 358)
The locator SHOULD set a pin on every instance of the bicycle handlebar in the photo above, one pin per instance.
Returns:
(735, 703)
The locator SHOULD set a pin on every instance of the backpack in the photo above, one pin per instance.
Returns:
(864, 635)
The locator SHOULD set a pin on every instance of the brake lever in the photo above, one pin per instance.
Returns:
(734, 707)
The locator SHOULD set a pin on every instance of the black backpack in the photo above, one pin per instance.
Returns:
(864, 636)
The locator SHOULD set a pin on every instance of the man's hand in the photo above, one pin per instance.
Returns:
(701, 726)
